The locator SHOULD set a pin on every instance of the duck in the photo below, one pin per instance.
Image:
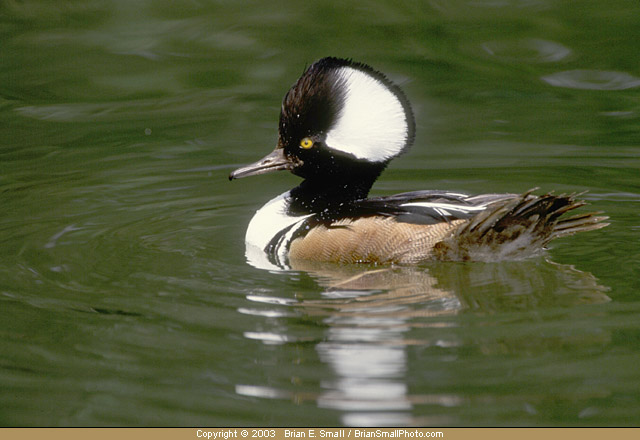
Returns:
(340, 125)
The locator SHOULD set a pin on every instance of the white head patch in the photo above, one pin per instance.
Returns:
(372, 123)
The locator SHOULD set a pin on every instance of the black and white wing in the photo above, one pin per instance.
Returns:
(430, 207)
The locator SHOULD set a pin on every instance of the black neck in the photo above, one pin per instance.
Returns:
(332, 197)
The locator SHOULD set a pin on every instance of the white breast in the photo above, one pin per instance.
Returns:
(269, 221)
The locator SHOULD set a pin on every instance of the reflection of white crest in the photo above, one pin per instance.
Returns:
(371, 315)
(372, 123)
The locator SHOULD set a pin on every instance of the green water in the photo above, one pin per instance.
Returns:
(125, 297)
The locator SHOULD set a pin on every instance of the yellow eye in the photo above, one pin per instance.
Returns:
(306, 143)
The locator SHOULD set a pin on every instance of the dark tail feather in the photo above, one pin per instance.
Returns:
(517, 228)
(579, 223)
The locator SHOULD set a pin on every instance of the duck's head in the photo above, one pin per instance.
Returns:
(339, 119)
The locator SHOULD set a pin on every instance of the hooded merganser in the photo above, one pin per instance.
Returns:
(340, 125)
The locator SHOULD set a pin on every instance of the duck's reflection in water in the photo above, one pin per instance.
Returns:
(449, 288)
(371, 312)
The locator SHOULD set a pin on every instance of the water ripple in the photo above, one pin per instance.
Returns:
(527, 50)
(592, 80)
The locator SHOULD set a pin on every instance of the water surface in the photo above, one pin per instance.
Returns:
(125, 295)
